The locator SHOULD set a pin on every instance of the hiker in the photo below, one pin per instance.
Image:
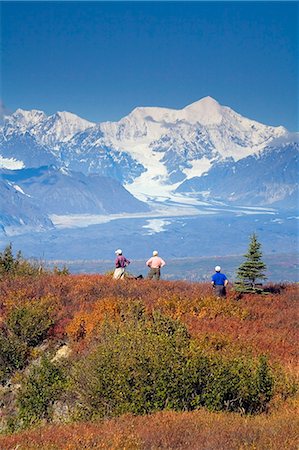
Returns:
(155, 263)
(219, 282)
(120, 265)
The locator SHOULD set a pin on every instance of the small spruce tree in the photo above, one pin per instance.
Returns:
(16, 265)
(252, 269)
(9, 263)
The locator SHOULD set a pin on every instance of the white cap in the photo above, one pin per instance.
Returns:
(118, 251)
(155, 253)
(217, 269)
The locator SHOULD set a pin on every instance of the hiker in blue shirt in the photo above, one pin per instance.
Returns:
(219, 282)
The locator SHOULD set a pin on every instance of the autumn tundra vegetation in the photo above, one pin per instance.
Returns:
(91, 362)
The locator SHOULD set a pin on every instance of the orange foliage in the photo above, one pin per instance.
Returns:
(85, 323)
(79, 303)
(196, 430)
(269, 325)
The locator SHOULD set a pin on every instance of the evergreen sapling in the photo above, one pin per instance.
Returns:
(252, 269)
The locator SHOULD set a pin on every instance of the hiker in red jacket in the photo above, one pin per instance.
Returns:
(155, 263)
(121, 262)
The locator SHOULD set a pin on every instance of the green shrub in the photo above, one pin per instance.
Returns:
(9, 263)
(39, 390)
(264, 382)
(150, 365)
(30, 323)
(129, 370)
(29, 268)
(61, 271)
(241, 384)
(13, 355)
(17, 265)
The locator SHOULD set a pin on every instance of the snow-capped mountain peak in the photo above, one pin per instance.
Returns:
(206, 111)
(152, 149)
(62, 126)
(151, 115)
(25, 119)
(153, 122)
(71, 118)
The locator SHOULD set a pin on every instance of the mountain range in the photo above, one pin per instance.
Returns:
(64, 164)
(269, 177)
(18, 213)
(30, 196)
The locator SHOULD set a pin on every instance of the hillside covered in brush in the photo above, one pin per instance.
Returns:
(90, 362)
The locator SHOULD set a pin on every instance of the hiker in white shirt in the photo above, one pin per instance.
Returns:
(155, 263)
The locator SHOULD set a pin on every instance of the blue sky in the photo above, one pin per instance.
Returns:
(102, 59)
